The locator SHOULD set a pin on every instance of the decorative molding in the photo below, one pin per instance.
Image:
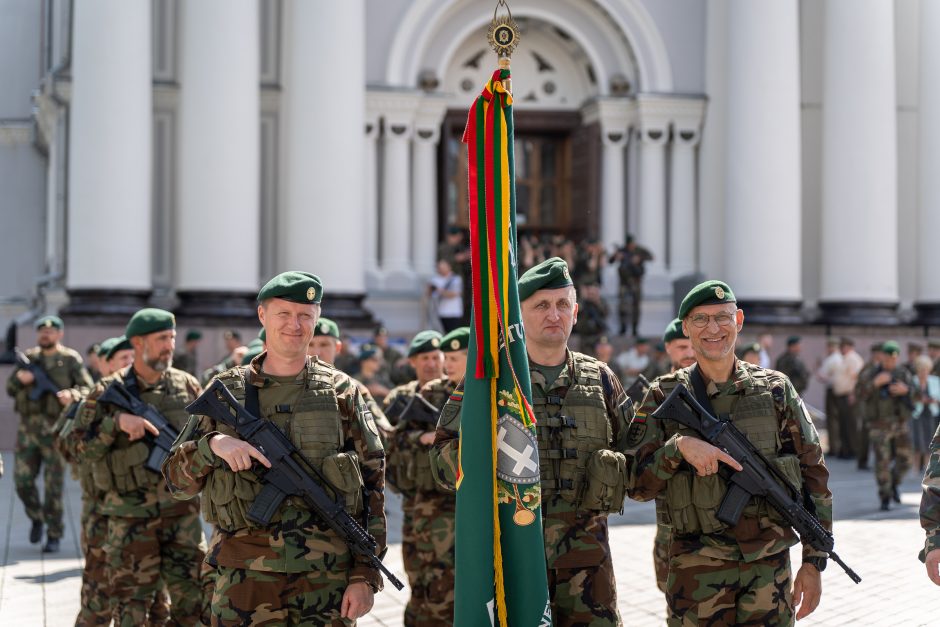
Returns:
(428, 118)
(17, 133)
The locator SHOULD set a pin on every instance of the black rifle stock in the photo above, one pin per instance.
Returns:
(42, 383)
(118, 395)
(759, 477)
(287, 476)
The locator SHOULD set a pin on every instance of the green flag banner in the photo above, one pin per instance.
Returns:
(500, 557)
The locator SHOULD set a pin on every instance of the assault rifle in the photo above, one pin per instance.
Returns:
(415, 408)
(290, 474)
(118, 395)
(759, 476)
(42, 383)
(638, 389)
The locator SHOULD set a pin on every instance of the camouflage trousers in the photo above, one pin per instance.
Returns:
(584, 596)
(144, 554)
(662, 546)
(893, 453)
(709, 591)
(409, 557)
(34, 450)
(253, 597)
(431, 568)
(95, 593)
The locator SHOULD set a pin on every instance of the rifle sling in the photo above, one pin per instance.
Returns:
(698, 389)
(252, 404)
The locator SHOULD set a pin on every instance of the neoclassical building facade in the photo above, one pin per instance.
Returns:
(179, 153)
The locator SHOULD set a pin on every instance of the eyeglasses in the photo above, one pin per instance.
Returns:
(723, 319)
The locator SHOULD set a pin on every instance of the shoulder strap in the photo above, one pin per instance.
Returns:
(698, 389)
(252, 404)
(130, 383)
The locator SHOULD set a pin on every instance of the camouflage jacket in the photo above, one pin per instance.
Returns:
(98, 438)
(66, 370)
(930, 500)
(298, 542)
(879, 405)
(653, 460)
(573, 538)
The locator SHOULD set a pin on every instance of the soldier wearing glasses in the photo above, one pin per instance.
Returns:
(720, 574)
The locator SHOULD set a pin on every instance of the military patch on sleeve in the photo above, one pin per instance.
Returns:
(637, 430)
(810, 435)
(370, 422)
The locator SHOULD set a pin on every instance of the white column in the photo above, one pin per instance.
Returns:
(370, 185)
(653, 134)
(424, 184)
(682, 217)
(859, 220)
(110, 145)
(928, 225)
(219, 147)
(763, 172)
(399, 115)
(324, 103)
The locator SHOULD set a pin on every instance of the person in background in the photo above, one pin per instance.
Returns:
(926, 414)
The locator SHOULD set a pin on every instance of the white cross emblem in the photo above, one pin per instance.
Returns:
(523, 460)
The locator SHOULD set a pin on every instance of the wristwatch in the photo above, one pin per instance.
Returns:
(818, 562)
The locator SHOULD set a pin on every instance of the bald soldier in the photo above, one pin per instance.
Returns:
(295, 569)
(581, 414)
(679, 349)
(427, 360)
(35, 448)
(719, 574)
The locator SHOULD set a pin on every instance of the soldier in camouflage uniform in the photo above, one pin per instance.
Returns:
(930, 512)
(326, 345)
(34, 437)
(581, 413)
(95, 608)
(425, 356)
(888, 405)
(434, 507)
(188, 360)
(294, 570)
(679, 349)
(152, 540)
(790, 364)
(720, 575)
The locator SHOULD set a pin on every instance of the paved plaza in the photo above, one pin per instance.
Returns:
(881, 546)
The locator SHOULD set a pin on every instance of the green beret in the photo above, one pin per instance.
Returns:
(193, 335)
(149, 320)
(122, 343)
(367, 351)
(456, 340)
(325, 326)
(106, 346)
(50, 321)
(548, 275)
(263, 335)
(752, 347)
(294, 286)
(832, 341)
(793, 339)
(890, 348)
(425, 342)
(255, 343)
(933, 343)
(673, 331)
(251, 354)
(708, 293)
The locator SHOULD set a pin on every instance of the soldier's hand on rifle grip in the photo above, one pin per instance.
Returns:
(703, 456)
(898, 389)
(65, 397)
(427, 438)
(134, 426)
(25, 377)
(238, 454)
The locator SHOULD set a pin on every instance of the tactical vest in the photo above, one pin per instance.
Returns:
(886, 409)
(691, 500)
(313, 425)
(570, 428)
(122, 469)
